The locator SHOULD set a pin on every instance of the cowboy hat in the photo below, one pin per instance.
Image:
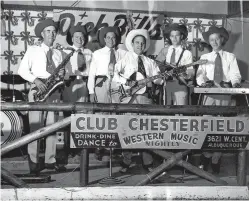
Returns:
(43, 24)
(176, 27)
(103, 31)
(77, 28)
(136, 32)
(213, 29)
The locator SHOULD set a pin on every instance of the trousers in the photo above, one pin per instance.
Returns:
(76, 92)
(176, 93)
(37, 120)
(102, 90)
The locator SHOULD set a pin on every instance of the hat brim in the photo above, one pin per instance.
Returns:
(102, 33)
(132, 34)
(70, 33)
(43, 24)
(175, 27)
(220, 31)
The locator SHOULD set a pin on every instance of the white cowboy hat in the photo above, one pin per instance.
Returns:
(132, 34)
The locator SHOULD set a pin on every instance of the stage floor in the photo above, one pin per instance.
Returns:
(99, 170)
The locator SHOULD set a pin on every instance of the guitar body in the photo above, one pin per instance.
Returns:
(123, 93)
(41, 97)
(137, 76)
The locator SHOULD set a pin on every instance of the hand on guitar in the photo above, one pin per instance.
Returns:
(236, 85)
(62, 73)
(131, 83)
(40, 85)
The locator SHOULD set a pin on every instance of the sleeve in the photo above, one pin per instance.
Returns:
(64, 53)
(92, 74)
(156, 71)
(189, 60)
(161, 57)
(88, 57)
(119, 69)
(162, 54)
(201, 74)
(26, 65)
(234, 72)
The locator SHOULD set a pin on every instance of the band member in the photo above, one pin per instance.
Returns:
(175, 54)
(38, 63)
(137, 42)
(220, 71)
(102, 67)
(78, 67)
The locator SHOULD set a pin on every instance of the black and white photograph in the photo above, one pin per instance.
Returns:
(124, 100)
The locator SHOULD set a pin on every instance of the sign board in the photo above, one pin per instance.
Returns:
(94, 20)
(159, 132)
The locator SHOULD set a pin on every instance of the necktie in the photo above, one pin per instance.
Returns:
(173, 55)
(81, 61)
(218, 71)
(50, 63)
(112, 63)
(141, 68)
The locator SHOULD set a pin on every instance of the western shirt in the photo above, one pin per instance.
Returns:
(230, 67)
(100, 64)
(129, 65)
(34, 62)
(186, 58)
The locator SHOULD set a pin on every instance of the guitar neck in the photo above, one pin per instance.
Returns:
(149, 79)
(189, 65)
(63, 63)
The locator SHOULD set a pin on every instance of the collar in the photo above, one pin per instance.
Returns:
(76, 48)
(136, 55)
(176, 48)
(220, 52)
(45, 47)
(107, 49)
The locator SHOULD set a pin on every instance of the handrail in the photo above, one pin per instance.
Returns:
(123, 108)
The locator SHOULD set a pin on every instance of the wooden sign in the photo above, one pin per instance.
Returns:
(159, 132)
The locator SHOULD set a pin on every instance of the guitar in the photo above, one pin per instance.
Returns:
(168, 66)
(119, 91)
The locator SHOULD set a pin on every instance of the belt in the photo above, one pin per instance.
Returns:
(79, 77)
(101, 76)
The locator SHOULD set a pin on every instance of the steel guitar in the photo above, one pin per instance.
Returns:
(201, 90)
(241, 91)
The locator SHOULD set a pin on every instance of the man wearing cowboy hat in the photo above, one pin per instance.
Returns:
(102, 67)
(221, 70)
(175, 54)
(137, 42)
(38, 63)
(78, 68)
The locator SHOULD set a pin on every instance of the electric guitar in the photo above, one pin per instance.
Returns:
(119, 91)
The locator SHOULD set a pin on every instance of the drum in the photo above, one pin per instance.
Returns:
(11, 126)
